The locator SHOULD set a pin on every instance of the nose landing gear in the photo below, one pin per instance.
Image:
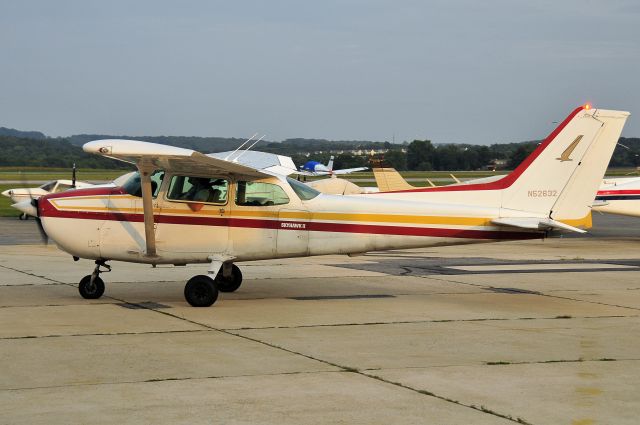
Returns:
(92, 286)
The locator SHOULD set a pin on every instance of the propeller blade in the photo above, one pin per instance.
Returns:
(43, 233)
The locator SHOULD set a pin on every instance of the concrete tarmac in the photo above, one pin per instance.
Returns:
(538, 332)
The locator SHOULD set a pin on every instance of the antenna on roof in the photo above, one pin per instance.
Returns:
(245, 142)
(249, 148)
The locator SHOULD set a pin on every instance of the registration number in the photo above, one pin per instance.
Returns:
(542, 193)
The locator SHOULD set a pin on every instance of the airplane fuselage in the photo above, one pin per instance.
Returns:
(108, 223)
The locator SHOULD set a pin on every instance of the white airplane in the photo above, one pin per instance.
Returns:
(186, 207)
(22, 194)
(315, 168)
(619, 196)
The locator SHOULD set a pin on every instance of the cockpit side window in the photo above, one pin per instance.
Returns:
(259, 194)
(133, 186)
(211, 190)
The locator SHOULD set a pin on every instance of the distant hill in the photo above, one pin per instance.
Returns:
(33, 148)
(4, 131)
(17, 151)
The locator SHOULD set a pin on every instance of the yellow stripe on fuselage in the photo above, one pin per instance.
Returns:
(290, 215)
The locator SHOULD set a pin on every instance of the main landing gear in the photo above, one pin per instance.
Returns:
(92, 286)
(202, 290)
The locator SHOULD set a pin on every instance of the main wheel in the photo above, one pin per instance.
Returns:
(231, 283)
(91, 291)
(201, 291)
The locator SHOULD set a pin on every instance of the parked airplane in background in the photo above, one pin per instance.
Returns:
(27, 193)
(619, 196)
(314, 168)
(186, 207)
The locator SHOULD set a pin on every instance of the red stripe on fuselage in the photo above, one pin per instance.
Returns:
(310, 226)
(507, 180)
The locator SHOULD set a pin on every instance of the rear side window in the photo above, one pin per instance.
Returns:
(198, 189)
(258, 194)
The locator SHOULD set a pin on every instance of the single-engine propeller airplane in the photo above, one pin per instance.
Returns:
(315, 168)
(186, 207)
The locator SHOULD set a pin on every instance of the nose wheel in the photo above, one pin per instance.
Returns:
(91, 286)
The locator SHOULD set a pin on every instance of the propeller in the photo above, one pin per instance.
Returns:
(29, 207)
(43, 233)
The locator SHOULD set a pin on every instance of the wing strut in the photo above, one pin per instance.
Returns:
(147, 206)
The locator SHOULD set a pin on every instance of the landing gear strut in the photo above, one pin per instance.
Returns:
(202, 290)
(92, 286)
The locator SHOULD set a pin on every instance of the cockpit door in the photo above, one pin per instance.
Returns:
(192, 215)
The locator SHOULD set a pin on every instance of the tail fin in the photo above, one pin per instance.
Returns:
(561, 177)
(389, 180)
(575, 202)
(330, 164)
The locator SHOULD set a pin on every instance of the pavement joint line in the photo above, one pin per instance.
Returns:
(329, 363)
(540, 294)
(500, 363)
(5, 338)
(554, 361)
(343, 368)
(408, 322)
(482, 409)
(31, 274)
(171, 379)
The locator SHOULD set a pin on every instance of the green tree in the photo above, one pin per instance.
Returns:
(397, 159)
(519, 155)
(420, 155)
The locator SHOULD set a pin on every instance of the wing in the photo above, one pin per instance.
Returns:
(162, 157)
(349, 170)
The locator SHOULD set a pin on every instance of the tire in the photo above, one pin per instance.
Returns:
(201, 291)
(92, 292)
(232, 283)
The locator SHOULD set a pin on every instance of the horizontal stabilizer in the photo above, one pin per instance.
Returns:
(535, 223)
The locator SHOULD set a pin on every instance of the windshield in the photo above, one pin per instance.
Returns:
(133, 187)
(303, 191)
(49, 185)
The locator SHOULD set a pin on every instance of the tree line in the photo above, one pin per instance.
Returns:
(419, 155)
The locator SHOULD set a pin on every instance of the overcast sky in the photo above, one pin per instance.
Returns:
(450, 71)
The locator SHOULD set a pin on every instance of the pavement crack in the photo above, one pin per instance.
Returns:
(100, 334)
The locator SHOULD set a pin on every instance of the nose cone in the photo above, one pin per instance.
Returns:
(26, 207)
(7, 193)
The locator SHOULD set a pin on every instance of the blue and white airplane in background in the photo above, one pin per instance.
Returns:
(315, 168)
